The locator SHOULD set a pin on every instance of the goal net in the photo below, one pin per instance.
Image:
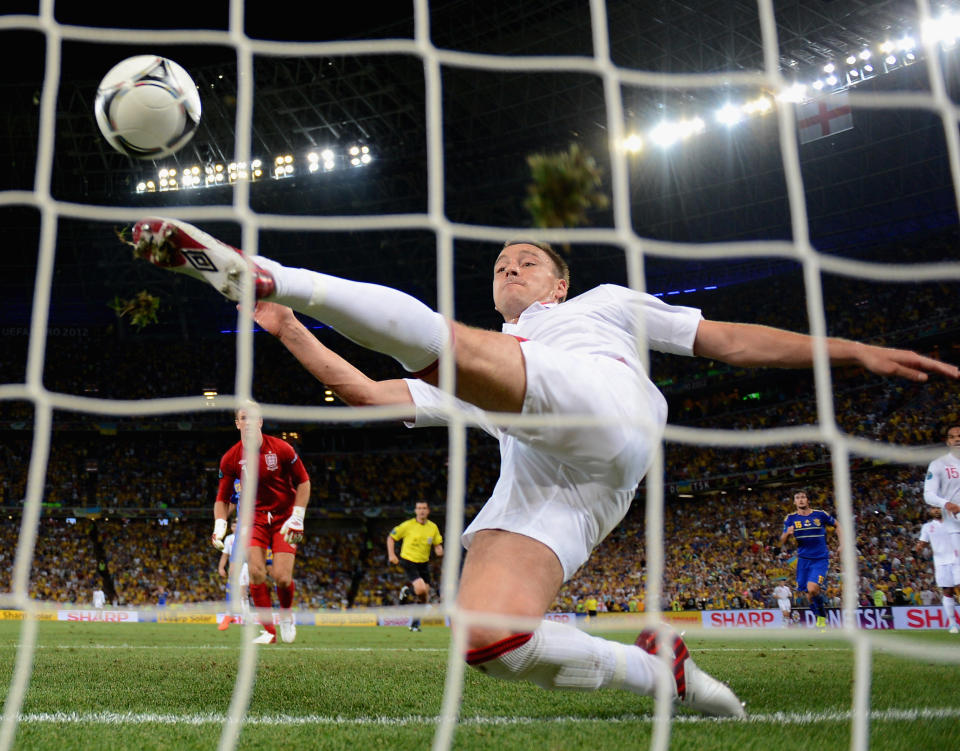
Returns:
(662, 225)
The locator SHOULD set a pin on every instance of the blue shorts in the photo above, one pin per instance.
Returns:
(811, 570)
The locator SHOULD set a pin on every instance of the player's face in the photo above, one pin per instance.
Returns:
(247, 426)
(953, 439)
(935, 512)
(523, 275)
(801, 501)
(422, 511)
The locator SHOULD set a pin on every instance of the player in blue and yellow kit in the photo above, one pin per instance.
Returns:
(809, 528)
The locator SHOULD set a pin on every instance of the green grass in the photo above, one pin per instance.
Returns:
(164, 686)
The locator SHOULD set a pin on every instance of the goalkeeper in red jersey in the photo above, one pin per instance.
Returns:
(283, 491)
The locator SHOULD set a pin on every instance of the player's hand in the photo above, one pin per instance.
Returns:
(272, 317)
(394, 560)
(903, 363)
(219, 532)
(789, 531)
(292, 529)
(951, 507)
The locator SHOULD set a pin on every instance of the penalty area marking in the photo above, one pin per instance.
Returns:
(779, 718)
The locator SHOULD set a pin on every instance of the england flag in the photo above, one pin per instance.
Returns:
(823, 117)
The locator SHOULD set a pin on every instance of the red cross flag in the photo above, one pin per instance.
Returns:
(824, 117)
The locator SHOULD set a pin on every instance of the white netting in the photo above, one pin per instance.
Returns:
(636, 248)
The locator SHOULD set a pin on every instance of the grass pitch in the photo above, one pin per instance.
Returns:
(166, 686)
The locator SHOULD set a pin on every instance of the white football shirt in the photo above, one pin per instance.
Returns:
(942, 484)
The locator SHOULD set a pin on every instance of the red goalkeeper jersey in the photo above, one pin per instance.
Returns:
(281, 471)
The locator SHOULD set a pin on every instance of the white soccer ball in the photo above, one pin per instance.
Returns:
(147, 107)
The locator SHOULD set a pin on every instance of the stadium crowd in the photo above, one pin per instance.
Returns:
(132, 478)
(721, 551)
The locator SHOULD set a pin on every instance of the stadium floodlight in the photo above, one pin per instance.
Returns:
(908, 43)
(759, 106)
(818, 84)
(633, 143)
(693, 127)
(141, 187)
(829, 68)
(729, 115)
(366, 158)
(865, 54)
(664, 134)
(851, 60)
(327, 155)
(890, 60)
(794, 93)
(943, 30)
(887, 47)
(831, 80)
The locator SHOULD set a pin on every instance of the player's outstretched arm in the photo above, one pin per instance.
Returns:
(752, 345)
(346, 381)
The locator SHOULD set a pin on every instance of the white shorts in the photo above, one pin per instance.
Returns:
(784, 605)
(244, 575)
(947, 574)
(569, 486)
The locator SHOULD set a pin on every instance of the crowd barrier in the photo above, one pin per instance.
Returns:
(902, 618)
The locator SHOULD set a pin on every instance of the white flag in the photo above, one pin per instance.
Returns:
(823, 117)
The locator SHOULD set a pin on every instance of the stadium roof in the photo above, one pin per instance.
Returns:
(874, 179)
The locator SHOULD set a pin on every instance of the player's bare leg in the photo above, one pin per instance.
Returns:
(260, 594)
(283, 576)
(510, 574)
(421, 595)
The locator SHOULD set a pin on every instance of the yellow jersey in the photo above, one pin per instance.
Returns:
(418, 539)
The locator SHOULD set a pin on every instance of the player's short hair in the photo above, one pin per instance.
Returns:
(950, 426)
(246, 406)
(560, 265)
(797, 491)
(417, 503)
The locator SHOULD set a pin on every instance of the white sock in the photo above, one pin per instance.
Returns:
(376, 317)
(949, 608)
(560, 656)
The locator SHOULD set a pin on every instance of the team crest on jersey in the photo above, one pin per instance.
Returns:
(817, 522)
(271, 460)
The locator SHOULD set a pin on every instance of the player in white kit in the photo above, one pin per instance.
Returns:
(561, 488)
(782, 594)
(941, 489)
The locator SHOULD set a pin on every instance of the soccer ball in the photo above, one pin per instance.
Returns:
(147, 107)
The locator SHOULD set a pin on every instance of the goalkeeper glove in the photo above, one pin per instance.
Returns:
(219, 531)
(292, 529)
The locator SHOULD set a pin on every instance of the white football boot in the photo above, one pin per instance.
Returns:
(696, 689)
(288, 630)
(181, 247)
(265, 637)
